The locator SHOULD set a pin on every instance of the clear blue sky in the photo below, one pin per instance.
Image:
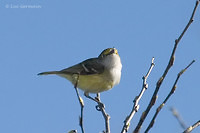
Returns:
(57, 34)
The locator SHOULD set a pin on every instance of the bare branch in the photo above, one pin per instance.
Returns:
(168, 96)
(189, 129)
(170, 63)
(81, 104)
(137, 99)
(178, 117)
(100, 107)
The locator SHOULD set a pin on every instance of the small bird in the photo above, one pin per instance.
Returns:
(94, 75)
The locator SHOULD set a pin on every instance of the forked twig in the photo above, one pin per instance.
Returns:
(101, 107)
(137, 99)
(170, 63)
(168, 96)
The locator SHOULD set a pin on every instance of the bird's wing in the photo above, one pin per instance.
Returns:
(87, 67)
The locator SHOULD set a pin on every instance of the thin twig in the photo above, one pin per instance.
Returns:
(168, 96)
(137, 99)
(189, 129)
(81, 104)
(101, 107)
(178, 117)
(170, 63)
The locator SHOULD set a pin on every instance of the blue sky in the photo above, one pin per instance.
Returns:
(57, 34)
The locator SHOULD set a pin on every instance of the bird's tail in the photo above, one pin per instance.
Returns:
(50, 72)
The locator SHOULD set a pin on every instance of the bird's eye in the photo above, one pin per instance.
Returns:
(108, 52)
